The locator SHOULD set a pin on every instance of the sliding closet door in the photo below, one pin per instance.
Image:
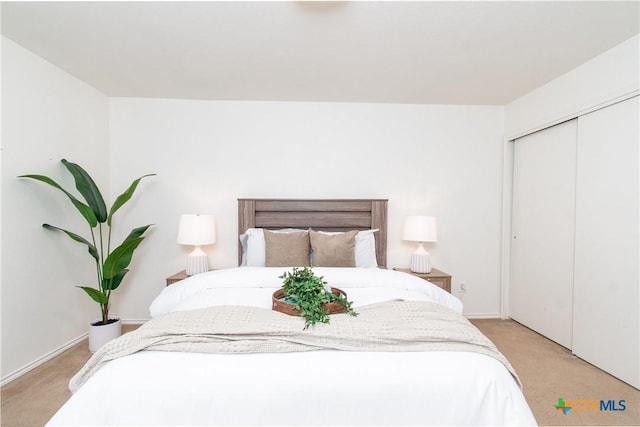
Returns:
(543, 215)
(606, 290)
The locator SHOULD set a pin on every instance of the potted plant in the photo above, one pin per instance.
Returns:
(111, 264)
(310, 296)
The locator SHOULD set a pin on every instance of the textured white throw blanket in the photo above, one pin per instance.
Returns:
(396, 325)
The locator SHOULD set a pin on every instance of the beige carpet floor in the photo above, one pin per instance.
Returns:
(547, 370)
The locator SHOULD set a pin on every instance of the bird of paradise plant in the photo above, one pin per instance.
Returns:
(111, 265)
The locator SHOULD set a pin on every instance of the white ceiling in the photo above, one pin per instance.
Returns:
(430, 52)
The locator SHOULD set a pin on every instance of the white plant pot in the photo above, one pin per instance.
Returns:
(99, 335)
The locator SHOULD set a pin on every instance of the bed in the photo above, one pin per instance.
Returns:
(215, 353)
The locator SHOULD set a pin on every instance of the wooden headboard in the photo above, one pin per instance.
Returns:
(319, 214)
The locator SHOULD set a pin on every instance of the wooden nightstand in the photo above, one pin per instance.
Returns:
(437, 277)
(181, 275)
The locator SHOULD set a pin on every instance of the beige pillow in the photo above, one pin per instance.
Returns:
(333, 250)
(286, 249)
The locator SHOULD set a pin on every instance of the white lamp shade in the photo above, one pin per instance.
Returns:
(420, 228)
(197, 230)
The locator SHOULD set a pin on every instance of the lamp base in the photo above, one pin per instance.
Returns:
(420, 260)
(197, 262)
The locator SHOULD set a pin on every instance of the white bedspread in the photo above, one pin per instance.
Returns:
(255, 285)
(325, 387)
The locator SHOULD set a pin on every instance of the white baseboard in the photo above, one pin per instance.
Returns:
(41, 360)
(482, 315)
(30, 366)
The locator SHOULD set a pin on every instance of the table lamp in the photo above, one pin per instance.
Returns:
(421, 229)
(197, 230)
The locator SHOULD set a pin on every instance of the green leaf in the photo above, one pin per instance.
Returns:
(85, 210)
(310, 295)
(124, 197)
(124, 260)
(137, 232)
(92, 249)
(114, 282)
(120, 258)
(89, 190)
(96, 295)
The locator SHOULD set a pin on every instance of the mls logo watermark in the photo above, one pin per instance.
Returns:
(580, 405)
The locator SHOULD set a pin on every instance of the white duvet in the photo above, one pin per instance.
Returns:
(309, 388)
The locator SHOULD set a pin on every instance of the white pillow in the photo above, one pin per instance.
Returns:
(253, 247)
(365, 250)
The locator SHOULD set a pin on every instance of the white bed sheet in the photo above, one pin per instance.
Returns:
(255, 285)
(339, 388)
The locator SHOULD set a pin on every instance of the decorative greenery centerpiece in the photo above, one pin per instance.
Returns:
(311, 295)
(111, 265)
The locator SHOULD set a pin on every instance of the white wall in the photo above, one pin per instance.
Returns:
(46, 115)
(440, 160)
(612, 76)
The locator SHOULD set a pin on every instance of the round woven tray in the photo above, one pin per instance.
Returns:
(287, 308)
